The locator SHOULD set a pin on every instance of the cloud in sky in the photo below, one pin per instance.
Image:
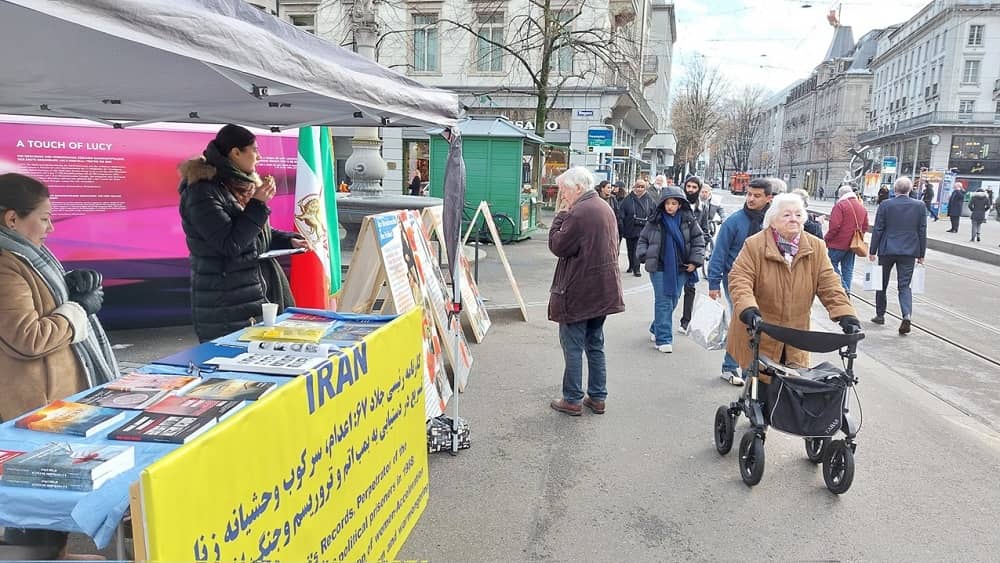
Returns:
(772, 42)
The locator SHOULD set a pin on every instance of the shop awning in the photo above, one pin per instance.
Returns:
(208, 61)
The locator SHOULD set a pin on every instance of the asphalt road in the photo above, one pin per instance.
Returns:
(644, 482)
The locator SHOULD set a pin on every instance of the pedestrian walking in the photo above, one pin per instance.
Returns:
(776, 278)
(734, 231)
(634, 210)
(416, 184)
(979, 205)
(883, 194)
(713, 205)
(672, 246)
(928, 198)
(899, 239)
(847, 217)
(955, 204)
(586, 288)
(822, 193)
(659, 182)
(692, 190)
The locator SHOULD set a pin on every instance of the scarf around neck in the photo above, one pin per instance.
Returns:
(788, 248)
(238, 182)
(672, 251)
(94, 353)
(756, 219)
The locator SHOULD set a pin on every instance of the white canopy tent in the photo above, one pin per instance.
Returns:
(198, 61)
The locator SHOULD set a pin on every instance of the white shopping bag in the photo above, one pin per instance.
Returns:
(709, 323)
(873, 277)
(919, 280)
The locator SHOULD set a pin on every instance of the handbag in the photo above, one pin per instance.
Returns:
(858, 245)
(918, 283)
(709, 324)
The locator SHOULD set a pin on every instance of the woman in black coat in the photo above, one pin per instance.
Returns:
(632, 214)
(224, 215)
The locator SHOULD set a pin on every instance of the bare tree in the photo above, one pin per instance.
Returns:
(741, 126)
(696, 113)
(833, 145)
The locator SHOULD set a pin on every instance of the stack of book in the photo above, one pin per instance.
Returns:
(175, 419)
(138, 391)
(65, 417)
(74, 467)
(7, 455)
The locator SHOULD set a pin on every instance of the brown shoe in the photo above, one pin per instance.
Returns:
(904, 327)
(564, 406)
(594, 405)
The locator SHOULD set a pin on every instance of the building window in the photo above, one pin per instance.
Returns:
(426, 55)
(966, 107)
(970, 74)
(305, 22)
(976, 35)
(564, 57)
(996, 112)
(489, 56)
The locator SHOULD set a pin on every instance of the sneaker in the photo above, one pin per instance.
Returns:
(726, 374)
(904, 327)
(666, 348)
(879, 320)
(683, 329)
(652, 337)
(736, 380)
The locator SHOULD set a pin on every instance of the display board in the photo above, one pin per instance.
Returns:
(484, 211)
(332, 466)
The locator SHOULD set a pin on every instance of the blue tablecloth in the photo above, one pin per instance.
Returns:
(96, 513)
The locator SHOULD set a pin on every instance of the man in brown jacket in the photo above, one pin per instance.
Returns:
(586, 287)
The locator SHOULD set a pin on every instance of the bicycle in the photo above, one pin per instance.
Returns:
(709, 245)
(506, 227)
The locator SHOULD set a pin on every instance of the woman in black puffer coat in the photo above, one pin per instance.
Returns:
(224, 215)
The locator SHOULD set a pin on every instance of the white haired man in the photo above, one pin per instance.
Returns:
(899, 239)
(586, 288)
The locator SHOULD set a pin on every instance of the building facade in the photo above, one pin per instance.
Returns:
(936, 93)
(823, 114)
(456, 45)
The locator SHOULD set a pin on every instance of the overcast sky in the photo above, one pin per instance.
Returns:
(772, 42)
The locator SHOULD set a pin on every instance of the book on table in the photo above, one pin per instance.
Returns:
(282, 334)
(65, 417)
(7, 455)
(351, 330)
(76, 467)
(305, 320)
(166, 428)
(222, 389)
(186, 405)
(277, 358)
(136, 381)
(118, 399)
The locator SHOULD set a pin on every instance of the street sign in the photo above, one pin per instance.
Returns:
(600, 138)
(888, 165)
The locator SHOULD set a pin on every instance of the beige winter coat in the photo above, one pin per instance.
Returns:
(784, 294)
(37, 364)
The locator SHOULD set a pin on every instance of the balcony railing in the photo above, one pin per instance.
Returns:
(933, 118)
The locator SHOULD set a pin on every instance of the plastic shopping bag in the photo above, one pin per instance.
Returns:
(709, 323)
(919, 280)
(873, 277)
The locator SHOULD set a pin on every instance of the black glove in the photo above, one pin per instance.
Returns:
(850, 324)
(83, 281)
(751, 317)
(91, 301)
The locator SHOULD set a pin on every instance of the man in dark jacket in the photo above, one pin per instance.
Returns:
(955, 204)
(586, 287)
(928, 197)
(632, 215)
(979, 205)
(899, 239)
(700, 211)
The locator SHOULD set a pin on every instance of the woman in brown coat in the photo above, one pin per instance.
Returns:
(51, 343)
(776, 278)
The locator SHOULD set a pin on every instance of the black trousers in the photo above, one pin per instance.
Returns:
(689, 293)
(954, 223)
(633, 262)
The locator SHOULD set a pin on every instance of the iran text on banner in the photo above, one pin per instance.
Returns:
(316, 275)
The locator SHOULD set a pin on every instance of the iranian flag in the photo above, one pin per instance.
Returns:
(316, 275)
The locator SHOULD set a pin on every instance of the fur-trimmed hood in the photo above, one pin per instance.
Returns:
(199, 169)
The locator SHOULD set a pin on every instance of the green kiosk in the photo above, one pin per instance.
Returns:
(502, 167)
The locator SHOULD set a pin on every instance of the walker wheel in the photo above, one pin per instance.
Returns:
(838, 467)
(725, 426)
(814, 448)
(751, 458)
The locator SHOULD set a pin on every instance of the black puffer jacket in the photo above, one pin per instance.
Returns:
(228, 282)
(650, 243)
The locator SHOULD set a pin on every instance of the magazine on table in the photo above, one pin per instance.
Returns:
(136, 381)
(282, 334)
(76, 467)
(65, 417)
(187, 405)
(117, 399)
(221, 389)
(171, 429)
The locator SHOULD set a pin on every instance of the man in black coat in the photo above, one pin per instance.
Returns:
(899, 239)
(955, 204)
(928, 197)
(586, 288)
(632, 215)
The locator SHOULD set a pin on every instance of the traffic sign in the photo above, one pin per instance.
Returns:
(600, 138)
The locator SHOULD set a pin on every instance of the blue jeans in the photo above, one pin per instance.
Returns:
(575, 338)
(904, 274)
(664, 303)
(729, 363)
(843, 264)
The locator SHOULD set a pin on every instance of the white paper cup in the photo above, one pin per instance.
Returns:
(270, 313)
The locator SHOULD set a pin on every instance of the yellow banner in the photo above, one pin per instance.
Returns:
(330, 466)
